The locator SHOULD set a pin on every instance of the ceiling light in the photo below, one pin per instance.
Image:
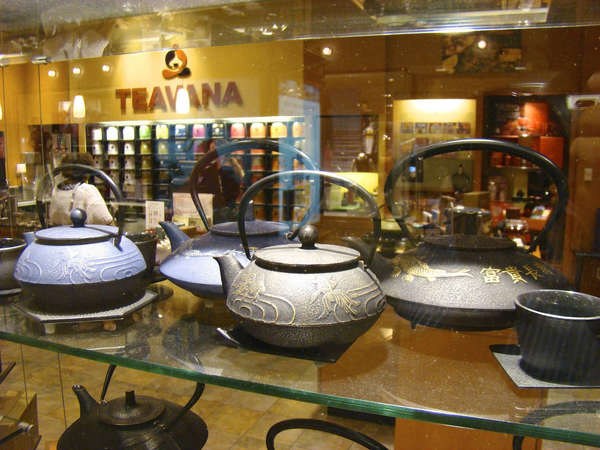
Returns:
(482, 44)
(105, 68)
(52, 73)
(76, 70)
(327, 51)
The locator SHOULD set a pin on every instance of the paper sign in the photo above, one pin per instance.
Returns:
(155, 212)
(183, 206)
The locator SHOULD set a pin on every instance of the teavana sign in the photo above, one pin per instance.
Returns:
(215, 95)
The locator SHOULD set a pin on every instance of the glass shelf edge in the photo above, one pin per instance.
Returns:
(365, 406)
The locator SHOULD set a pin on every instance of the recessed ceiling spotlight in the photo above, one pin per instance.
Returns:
(327, 51)
(76, 70)
(52, 73)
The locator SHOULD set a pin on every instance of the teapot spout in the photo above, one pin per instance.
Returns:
(229, 266)
(175, 235)
(86, 402)
(380, 266)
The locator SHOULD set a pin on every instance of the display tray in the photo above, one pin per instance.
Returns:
(187, 338)
(509, 357)
(27, 307)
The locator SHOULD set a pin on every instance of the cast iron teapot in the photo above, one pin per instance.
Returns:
(191, 265)
(134, 423)
(302, 295)
(463, 281)
(81, 268)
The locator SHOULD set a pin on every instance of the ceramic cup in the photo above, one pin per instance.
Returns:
(559, 334)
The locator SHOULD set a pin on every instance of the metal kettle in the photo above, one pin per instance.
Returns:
(191, 265)
(466, 281)
(134, 423)
(303, 295)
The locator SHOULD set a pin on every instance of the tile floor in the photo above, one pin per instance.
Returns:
(236, 420)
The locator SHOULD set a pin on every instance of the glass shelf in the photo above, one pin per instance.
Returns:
(424, 374)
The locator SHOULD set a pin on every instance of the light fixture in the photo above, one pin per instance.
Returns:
(52, 73)
(182, 101)
(482, 44)
(78, 107)
(327, 51)
(105, 68)
(21, 171)
(76, 70)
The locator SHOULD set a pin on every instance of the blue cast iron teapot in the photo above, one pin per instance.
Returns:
(191, 265)
(79, 267)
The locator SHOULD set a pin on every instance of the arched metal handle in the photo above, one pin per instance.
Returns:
(321, 425)
(335, 178)
(558, 409)
(510, 148)
(96, 172)
(262, 144)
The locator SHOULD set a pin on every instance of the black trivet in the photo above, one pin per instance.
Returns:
(31, 310)
(509, 357)
(328, 353)
(187, 339)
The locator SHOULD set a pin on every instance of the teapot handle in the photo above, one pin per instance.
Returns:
(335, 178)
(263, 144)
(510, 148)
(537, 416)
(92, 170)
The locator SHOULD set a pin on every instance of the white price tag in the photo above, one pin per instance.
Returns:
(155, 213)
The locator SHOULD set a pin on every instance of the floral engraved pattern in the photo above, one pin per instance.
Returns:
(251, 299)
(344, 304)
(412, 267)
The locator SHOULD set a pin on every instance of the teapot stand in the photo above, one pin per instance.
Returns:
(48, 320)
(509, 356)
(327, 353)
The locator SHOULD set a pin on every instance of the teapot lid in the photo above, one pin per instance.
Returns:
(476, 242)
(307, 257)
(253, 228)
(78, 233)
(129, 410)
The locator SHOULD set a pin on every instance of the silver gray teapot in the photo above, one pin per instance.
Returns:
(303, 294)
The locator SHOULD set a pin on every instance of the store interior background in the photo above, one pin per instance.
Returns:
(361, 83)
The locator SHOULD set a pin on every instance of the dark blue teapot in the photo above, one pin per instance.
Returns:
(191, 265)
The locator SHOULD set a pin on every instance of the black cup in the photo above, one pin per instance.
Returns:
(559, 334)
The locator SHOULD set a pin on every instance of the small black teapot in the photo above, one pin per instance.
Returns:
(134, 422)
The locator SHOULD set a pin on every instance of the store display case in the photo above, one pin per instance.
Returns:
(359, 87)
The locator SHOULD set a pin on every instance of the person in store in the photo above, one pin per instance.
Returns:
(75, 192)
(224, 178)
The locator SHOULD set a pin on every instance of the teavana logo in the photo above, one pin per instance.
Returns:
(206, 95)
(176, 61)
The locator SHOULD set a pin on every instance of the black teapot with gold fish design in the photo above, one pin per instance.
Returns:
(466, 281)
(302, 295)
